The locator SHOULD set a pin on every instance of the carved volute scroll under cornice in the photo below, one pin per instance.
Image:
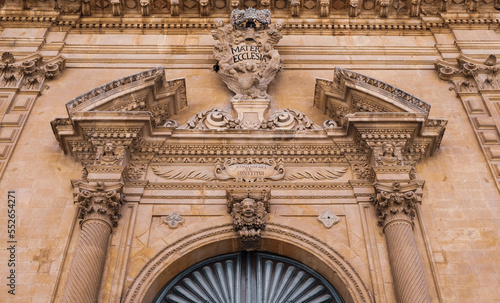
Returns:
(249, 209)
(99, 201)
(29, 73)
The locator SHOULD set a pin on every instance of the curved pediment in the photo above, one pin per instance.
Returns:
(145, 91)
(350, 92)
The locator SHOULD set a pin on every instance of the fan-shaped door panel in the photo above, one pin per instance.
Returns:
(249, 277)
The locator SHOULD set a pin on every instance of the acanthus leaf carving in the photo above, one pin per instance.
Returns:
(183, 173)
(395, 202)
(100, 201)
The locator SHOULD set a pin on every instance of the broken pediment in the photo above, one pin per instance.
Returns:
(350, 92)
(146, 91)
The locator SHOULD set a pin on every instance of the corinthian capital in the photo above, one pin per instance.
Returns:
(100, 201)
(396, 202)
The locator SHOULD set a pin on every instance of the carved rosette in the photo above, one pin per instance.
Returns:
(249, 210)
(99, 201)
(246, 59)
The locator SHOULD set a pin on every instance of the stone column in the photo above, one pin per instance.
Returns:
(100, 210)
(395, 207)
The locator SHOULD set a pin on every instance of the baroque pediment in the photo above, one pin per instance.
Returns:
(147, 91)
(350, 92)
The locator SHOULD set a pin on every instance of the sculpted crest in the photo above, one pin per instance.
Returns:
(246, 59)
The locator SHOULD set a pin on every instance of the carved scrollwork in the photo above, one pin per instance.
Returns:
(289, 119)
(212, 119)
(30, 73)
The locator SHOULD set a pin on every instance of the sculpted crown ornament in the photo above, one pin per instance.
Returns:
(246, 59)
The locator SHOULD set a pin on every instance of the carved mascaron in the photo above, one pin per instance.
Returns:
(246, 59)
(249, 212)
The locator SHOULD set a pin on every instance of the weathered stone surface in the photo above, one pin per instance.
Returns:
(455, 226)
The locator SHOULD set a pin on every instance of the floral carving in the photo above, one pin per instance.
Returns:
(246, 59)
(249, 212)
(100, 201)
(396, 201)
(173, 220)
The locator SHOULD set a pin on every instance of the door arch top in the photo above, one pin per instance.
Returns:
(220, 240)
(249, 277)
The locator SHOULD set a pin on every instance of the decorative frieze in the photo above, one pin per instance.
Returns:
(295, 8)
(249, 210)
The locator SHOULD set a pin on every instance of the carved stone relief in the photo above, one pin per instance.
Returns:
(246, 59)
(249, 210)
(173, 220)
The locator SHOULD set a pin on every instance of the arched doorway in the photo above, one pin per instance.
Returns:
(248, 277)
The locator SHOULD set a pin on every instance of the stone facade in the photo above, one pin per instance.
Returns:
(368, 151)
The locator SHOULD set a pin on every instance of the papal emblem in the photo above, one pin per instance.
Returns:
(246, 59)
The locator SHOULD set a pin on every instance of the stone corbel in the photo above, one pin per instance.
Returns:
(204, 7)
(249, 210)
(85, 8)
(353, 8)
(174, 7)
(235, 4)
(324, 8)
(414, 8)
(145, 7)
(383, 8)
(295, 8)
(116, 7)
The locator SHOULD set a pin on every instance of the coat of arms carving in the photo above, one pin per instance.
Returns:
(246, 59)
